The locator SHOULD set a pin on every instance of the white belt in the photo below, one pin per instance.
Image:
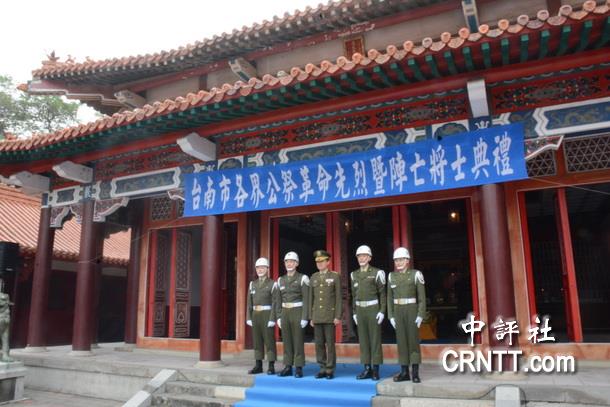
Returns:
(403, 301)
(292, 304)
(366, 303)
(261, 307)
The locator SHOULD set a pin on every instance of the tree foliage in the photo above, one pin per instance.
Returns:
(23, 114)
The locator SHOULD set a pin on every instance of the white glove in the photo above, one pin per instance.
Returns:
(418, 321)
(279, 323)
(303, 323)
(393, 322)
(379, 318)
(355, 319)
(270, 324)
(249, 322)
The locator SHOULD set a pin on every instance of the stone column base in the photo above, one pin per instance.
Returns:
(209, 364)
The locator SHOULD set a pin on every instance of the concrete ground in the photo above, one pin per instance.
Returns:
(589, 385)
(36, 398)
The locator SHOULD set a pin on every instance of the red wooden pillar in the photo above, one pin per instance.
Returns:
(211, 255)
(40, 285)
(527, 254)
(133, 275)
(253, 252)
(85, 281)
(568, 268)
(97, 283)
(496, 258)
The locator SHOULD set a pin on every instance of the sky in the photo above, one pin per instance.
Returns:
(30, 30)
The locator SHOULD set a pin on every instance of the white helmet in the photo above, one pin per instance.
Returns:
(291, 256)
(364, 249)
(401, 253)
(262, 262)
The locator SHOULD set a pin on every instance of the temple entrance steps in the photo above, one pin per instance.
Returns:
(194, 389)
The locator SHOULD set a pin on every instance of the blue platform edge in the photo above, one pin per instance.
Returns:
(343, 390)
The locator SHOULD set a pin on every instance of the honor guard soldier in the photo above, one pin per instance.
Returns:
(293, 314)
(406, 309)
(368, 306)
(325, 300)
(261, 309)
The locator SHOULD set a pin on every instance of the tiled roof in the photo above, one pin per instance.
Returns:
(19, 217)
(408, 51)
(325, 17)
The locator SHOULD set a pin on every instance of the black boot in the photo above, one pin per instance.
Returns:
(299, 372)
(258, 368)
(416, 378)
(403, 375)
(271, 368)
(366, 373)
(375, 375)
(287, 371)
(321, 374)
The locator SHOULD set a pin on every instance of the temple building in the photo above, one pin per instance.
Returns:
(350, 78)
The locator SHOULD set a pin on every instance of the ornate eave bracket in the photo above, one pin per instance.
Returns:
(176, 194)
(58, 216)
(107, 207)
(534, 147)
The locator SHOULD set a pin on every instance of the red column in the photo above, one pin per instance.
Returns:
(496, 258)
(253, 252)
(40, 284)
(211, 255)
(85, 281)
(133, 276)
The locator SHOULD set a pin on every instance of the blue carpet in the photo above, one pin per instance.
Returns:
(343, 390)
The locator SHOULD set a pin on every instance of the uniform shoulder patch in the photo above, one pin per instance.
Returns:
(305, 280)
(274, 286)
(250, 285)
(380, 276)
(419, 277)
(390, 277)
(351, 275)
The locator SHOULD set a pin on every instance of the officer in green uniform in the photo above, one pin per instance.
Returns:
(293, 314)
(406, 309)
(325, 300)
(260, 315)
(368, 306)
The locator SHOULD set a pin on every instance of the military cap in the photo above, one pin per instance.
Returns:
(320, 255)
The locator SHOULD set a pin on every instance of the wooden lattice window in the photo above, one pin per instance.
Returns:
(587, 153)
(160, 208)
(542, 165)
(179, 208)
(353, 45)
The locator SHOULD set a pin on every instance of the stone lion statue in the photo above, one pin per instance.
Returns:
(5, 326)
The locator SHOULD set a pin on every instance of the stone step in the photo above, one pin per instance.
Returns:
(211, 377)
(206, 390)
(385, 401)
(189, 400)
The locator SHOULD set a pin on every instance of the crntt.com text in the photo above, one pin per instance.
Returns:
(505, 361)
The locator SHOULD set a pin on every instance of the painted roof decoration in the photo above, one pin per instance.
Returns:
(419, 61)
(335, 15)
(16, 205)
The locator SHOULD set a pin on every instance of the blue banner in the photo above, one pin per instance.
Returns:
(482, 157)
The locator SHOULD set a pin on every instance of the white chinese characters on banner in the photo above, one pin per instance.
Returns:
(456, 161)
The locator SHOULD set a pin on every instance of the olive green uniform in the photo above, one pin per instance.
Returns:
(261, 307)
(407, 301)
(368, 299)
(325, 300)
(292, 291)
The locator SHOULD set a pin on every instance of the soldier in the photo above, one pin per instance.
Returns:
(368, 306)
(260, 315)
(325, 300)
(406, 309)
(293, 314)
